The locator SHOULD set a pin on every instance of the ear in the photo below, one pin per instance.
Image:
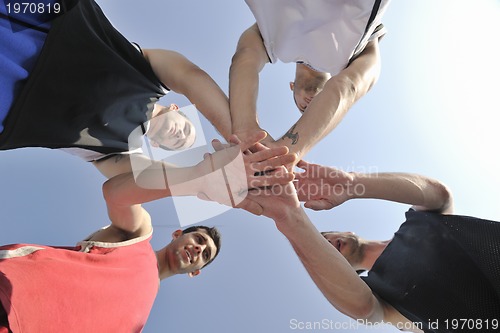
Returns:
(194, 273)
(292, 85)
(176, 234)
(174, 107)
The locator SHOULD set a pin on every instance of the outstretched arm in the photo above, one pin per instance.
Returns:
(324, 187)
(249, 59)
(182, 76)
(333, 275)
(225, 173)
(329, 107)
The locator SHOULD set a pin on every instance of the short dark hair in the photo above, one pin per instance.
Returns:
(213, 232)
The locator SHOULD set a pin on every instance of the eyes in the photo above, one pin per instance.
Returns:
(206, 253)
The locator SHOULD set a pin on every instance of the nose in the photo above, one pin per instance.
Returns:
(181, 135)
(198, 248)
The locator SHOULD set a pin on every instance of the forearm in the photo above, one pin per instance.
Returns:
(155, 182)
(329, 107)
(248, 61)
(182, 76)
(323, 115)
(422, 192)
(331, 273)
(243, 92)
(118, 164)
(209, 99)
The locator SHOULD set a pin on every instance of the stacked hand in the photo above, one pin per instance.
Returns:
(241, 169)
(248, 134)
(323, 187)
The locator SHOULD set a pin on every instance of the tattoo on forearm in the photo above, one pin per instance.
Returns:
(292, 136)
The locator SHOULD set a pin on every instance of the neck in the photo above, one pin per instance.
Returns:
(163, 267)
(309, 79)
(302, 70)
(372, 250)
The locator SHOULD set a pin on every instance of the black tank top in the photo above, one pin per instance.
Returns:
(90, 88)
(442, 271)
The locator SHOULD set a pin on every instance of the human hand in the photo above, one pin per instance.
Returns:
(322, 187)
(247, 133)
(234, 170)
(277, 202)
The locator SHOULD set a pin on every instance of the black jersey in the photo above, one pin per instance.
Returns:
(440, 270)
(90, 88)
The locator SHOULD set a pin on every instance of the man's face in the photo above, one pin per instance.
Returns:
(188, 253)
(303, 97)
(304, 93)
(171, 130)
(348, 244)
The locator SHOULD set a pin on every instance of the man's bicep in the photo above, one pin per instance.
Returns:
(113, 165)
(364, 71)
(130, 219)
(170, 67)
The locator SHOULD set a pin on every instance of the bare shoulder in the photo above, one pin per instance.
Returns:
(251, 39)
(115, 234)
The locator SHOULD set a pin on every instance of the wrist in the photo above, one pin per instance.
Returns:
(290, 218)
(359, 185)
(246, 126)
(188, 181)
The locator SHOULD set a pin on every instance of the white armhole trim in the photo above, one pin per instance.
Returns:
(19, 252)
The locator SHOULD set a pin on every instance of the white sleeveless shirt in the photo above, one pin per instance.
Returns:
(324, 34)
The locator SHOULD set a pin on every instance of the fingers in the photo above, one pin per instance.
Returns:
(252, 139)
(234, 139)
(247, 204)
(272, 163)
(267, 153)
(203, 196)
(217, 145)
(318, 205)
(303, 165)
(310, 170)
(269, 179)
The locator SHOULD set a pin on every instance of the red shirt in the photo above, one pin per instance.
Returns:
(93, 287)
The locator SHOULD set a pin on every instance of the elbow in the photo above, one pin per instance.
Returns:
(438, 197)
(110, 190)
(351, 89)
(366, 312)
(372, 311)
(359, 305)
(446, 198)
(107, 191)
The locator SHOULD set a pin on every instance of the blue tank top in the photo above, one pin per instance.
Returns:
(90, 88)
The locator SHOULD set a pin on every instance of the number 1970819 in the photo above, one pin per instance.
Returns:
(33, 8)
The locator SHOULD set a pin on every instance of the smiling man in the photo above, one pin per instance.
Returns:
(170, 128)
(438, 272)
(97, 90)
(100, 285)
(108, 282)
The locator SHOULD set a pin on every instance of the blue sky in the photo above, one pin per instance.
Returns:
(433, 112)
